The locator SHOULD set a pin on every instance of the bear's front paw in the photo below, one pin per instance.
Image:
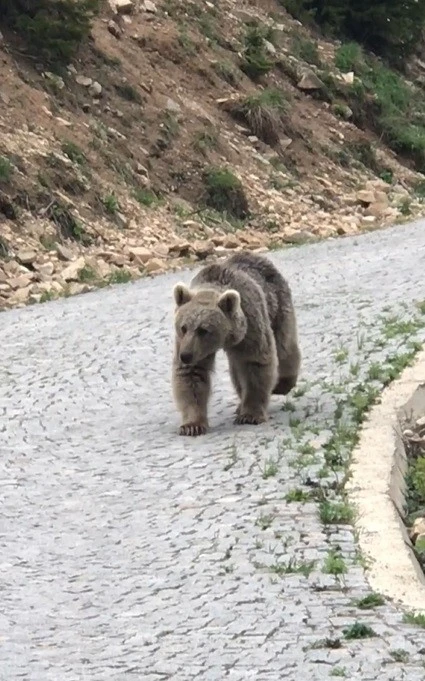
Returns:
(249, 419)
(193, 429)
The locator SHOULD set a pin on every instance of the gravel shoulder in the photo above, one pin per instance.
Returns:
(128, 552)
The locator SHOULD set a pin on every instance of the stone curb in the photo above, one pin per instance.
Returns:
(376, 489)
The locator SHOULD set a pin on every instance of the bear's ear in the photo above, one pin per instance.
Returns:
(229, 302)
(182, 294)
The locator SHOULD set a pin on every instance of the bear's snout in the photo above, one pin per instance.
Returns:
(186, 357)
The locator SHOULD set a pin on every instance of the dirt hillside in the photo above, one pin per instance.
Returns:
(181, 131)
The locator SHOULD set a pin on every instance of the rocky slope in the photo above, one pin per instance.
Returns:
(118, 166)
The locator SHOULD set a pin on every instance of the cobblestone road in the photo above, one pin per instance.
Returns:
(129, 552)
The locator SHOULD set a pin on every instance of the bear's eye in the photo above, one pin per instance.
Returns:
(201, 331)
(183, 329)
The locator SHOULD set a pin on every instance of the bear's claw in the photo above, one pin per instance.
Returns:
(249, 419)
(193, 429)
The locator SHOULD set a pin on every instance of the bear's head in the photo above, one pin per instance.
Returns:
(206, 320)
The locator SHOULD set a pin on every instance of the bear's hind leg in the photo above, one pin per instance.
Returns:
(289, 359)
(256, 381)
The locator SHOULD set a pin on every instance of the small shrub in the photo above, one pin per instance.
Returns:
(262, 113)
(146, 197)
(186, 43)
(128, 92)
(74, 153)
(52, 29)
(121, 276)
(86, 274)
(349, 57)
(6, 169)
(170, 125)
(255, 60)
(224, 192)
(110, 203)
(364, 153)
(227, 72)
(205, 140)
(306, 50)
(208, 28)
(67, 224)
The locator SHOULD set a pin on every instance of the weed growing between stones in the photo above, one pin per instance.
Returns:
(293, 566)
(372, 600)
(399, 655)
(297, 495)
(358, 630)
(265, 521)
(271, 468)
(334, 563)
(415, 618)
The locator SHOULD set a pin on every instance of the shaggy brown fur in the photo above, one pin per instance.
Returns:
(243, 306)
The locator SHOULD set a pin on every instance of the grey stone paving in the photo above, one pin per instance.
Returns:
(129, 552)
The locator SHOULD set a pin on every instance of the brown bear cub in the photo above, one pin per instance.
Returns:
(244, 307)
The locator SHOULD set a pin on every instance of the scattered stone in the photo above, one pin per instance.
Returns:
(20, 296)
(141, 170)
(114, 29)
(417, 529)
(309, 81)
(71, 272)
(63, 252)
(46, 269)
(141, 254)
(172, 106)
(231, 242)
(122, 6)
(203, 249)
(95, 89)
(365, 196)
(376, 208)
(348, 78)
(19, 282)
(154, 265)
(75, 288)
(57, 81)
(149, 6)
(270, 48)
(83, 80)
(179, 249)
(121, 220)
(26, 257)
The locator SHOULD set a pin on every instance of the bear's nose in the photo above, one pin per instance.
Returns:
(186, 357)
